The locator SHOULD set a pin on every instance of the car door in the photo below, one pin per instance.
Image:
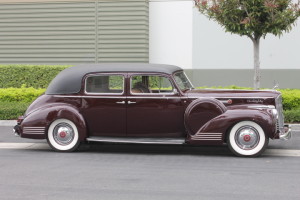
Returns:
(104, 104)
(154, 108)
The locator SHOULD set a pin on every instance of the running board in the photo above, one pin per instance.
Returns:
(137, 140)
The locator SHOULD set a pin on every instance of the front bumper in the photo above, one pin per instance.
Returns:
(287, 134)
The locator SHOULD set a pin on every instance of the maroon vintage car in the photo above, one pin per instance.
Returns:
(151, 104)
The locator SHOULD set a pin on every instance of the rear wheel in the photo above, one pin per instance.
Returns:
(63, 135)
(247, 139)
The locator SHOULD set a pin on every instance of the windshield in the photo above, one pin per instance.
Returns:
(182, 81)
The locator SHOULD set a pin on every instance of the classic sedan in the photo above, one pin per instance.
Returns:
(151, 104)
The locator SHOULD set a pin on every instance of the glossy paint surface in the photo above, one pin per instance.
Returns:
(104, 115)
(200, 116)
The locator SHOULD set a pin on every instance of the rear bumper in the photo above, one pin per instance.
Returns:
(17, 130)
(287, 134)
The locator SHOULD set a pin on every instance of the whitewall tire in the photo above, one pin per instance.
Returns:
(63, 135)
(247, 139)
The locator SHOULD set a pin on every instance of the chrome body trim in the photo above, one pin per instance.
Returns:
(34, 130)
(137, 140)
(263, 106)
(207, 136)
(228, 97)
(212, 89)
(92, 97)
(162, 96)
(104, 74)
(120, 97)
(150, 74)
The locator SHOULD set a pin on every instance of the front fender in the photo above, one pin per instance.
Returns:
(224, 122)
(36, 124)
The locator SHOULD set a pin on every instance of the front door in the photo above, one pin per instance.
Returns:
(154, 109)
(104, 104)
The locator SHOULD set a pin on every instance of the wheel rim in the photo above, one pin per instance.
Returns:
(63, 134)
(247, 137)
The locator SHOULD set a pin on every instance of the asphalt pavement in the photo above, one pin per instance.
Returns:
(31, 170)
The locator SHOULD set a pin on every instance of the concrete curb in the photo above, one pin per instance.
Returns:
(8, 122)
(295, 127)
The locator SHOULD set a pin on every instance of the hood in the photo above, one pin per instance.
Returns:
(215, 93)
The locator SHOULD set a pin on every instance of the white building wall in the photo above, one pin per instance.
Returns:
(170, 32)
(180, 35)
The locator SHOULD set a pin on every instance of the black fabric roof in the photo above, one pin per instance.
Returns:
(69, 80)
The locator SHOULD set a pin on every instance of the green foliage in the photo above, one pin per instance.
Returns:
(252, 18)
(292, 116)
(37, 76)
(290, 98)
(11, 110)
(19, 94)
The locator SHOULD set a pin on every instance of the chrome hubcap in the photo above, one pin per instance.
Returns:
(63, 134)
(247, 137)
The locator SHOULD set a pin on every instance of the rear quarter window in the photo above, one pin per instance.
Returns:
(104, 84)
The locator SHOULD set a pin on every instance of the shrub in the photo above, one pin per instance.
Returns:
(11, 110)
(19, 94)
(37, 76)
(290, 98)
(292, 116)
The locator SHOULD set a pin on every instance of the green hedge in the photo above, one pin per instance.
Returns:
(11, 110)
(37, 76)
(292, 116)
(290, 98)
(19, 94)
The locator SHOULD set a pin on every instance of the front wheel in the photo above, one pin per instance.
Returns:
(63, 135)
(247, 139)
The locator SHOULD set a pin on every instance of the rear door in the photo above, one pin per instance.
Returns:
(104, 104)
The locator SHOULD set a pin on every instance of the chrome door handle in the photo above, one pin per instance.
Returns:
(131, 102)
(120, 102)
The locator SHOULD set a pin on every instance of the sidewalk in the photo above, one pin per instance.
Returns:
(8, 122)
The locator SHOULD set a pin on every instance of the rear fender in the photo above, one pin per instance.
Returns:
(36, 124)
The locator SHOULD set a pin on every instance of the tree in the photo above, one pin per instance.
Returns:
(252, 18)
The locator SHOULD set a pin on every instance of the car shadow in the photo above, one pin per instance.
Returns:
(155, 149)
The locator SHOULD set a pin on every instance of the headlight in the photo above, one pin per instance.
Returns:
(275, 113)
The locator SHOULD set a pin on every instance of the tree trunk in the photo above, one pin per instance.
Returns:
(256, 63)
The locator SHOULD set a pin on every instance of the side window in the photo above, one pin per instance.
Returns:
(109, 84)
(150, 84)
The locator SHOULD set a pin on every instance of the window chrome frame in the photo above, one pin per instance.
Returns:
(173, 76)
(149, 94)
(105, 74)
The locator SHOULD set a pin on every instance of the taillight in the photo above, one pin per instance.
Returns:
(20, 119)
